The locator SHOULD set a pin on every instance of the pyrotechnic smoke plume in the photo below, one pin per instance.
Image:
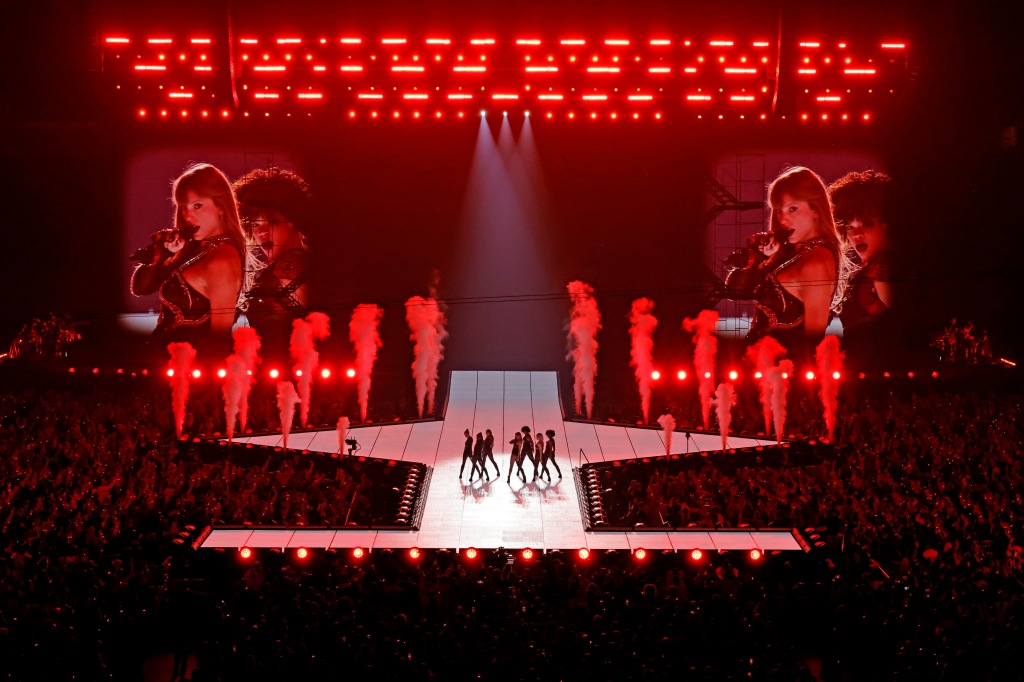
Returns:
(725, 398)
(830, 365)
(426, 322)
(778, 377)
(584, 323)
(363, 332)
(343, 424)
(235, 383)
(668, 425)
(641, 331)
(182, 357)
(287, 398)
(763, 355)
(705, 345)
(316, 327)
(247, 347)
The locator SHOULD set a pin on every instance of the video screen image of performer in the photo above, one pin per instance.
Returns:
(274, 207)
(199, 265)
(794, 272)
(862, 203)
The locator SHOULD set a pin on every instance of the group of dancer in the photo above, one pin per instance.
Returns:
(540, 453)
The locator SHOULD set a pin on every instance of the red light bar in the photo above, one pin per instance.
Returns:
(319, 68)
(351, 68)
(527, 41)
(660, 42)
(640, 98)
(180, 95)
(289, 41)
(351, 41)
(150, 67)
(741, 98)
(482, 41)
(370, 95)
(551, 98)
(721, 43)
(459, 96)
(807, 72)
(504, 96)
(202, 68)
(810, 44)
(894, 46)
(249, 41)
(469, 69)
(200, 41)
(859, 72)
(415, 95)
(541, 69)
(603, 69)
(407, 69)
(659, 69)
(438, 41)
(616, 41)
(159, 41)
(393, 41)
(117, 41)
(737, 70)
(573, 41)
(828, 98)
(267, 95)
(698, 98)
(311, 95)
(268, 68)
(690, 69)
(761, 43)
(595, 98)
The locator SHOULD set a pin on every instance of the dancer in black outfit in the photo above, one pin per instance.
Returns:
(516, 460)
(548, 455)
(467, 453)
(489, 452)
(528, 450)
(478, 458)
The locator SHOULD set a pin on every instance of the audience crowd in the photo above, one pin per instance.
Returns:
(917, 576)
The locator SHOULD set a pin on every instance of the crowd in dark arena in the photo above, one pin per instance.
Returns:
(919, 560)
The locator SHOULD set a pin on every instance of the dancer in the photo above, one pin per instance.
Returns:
(467, 454)
(516, 459)
(478, 458)
(539, 449)
(549, 455)
(528, 451)
(489, 452)
(200, 264)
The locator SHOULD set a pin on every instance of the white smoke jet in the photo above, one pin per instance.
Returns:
(830, 367)
(287, 398)
(584, 324)
(247, 347)
(235, 383)
(343, 424)
(426, 322)
(705, 345)
(363, 332)
(763, 355)
(316, 327)
(725, 398)
(778, 376)
(668, 426)
(641, 331)
(182, 357)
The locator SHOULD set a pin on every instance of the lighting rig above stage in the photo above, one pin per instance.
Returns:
(352, 75)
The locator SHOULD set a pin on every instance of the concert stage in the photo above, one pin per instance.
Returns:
(490, 514)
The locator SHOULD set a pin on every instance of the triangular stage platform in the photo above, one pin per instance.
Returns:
(493, 514)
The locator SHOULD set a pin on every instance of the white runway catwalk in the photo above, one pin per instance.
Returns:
(494, 514)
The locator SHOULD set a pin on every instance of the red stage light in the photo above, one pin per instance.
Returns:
(733, 375)
(245, 553)
(755, 555)
(95, 370)
(910, 375)
(640, 554)
(696, 555)
(222, 373)
(583, 554)
(527, 554)
(836, 375)
(358, 552)
(350, 373)
(935, 375)
(274, 373)
(757, 375)
(471, 553)
(707, 375)
(393, 41)
(681, 375)
(785, 375)
(302, 552)
(414, 553)
(71, 370)
(655, 375)
(325, 373)
(809, 375)
(298, 372)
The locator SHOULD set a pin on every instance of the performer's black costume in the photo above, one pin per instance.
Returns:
(272, 305)
(549, 456)
(489, 452)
